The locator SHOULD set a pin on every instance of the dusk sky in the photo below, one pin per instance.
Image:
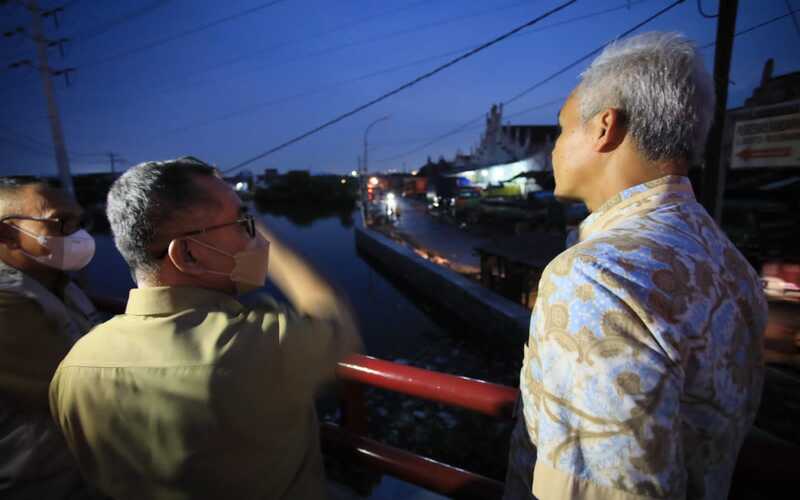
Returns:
(225, 81)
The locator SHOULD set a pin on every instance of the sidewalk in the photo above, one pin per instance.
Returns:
(438, 238)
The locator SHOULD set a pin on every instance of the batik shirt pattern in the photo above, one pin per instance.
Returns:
(643, 370)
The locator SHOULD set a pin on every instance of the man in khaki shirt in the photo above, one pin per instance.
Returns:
(191, 393)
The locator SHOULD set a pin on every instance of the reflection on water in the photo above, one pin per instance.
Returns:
(306, 214)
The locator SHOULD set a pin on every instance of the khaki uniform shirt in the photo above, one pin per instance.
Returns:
(190, 394)
(644, 367)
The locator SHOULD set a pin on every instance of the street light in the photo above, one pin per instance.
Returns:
(366, 133)
(364, 198)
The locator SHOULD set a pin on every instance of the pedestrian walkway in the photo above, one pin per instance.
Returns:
(438, 238)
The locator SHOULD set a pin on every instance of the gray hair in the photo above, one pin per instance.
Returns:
(146, 198)
(659, 83)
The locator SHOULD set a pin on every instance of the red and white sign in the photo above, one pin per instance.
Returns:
(768, 142)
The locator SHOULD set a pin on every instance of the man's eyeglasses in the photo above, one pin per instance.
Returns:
(247, 222)
(64, 225)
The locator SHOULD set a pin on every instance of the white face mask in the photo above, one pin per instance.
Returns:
(67, 253)
(250, 265)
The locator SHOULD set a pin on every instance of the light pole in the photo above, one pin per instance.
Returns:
(366, 133)
(364, 180)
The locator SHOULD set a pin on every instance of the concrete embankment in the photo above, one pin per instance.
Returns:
(471, 303)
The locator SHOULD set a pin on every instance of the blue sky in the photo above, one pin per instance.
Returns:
(145, 89)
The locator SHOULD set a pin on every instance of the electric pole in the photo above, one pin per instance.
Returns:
(42, 44)
(713, 173)
(113, 159)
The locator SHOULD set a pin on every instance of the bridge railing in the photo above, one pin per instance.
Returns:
(349, 440)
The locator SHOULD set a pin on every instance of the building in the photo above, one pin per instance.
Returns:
(506, 153)
(760, 159)
(504, 144)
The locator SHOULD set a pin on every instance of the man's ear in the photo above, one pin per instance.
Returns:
(9, 236)
(181, 256)
(608, 129)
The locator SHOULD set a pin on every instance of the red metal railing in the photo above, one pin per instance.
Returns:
(476, 395)
(490, 399)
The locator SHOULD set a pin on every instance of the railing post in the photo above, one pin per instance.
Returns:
(354, 410)
(352, 402)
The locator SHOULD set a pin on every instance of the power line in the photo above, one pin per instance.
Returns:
(342, 27)
(257, 106)
(404, 86)
(182, 34)
(273, 102)
(110, 25)
(703, 12)
(794, 19)
(592, 53)
(755, 27)
(537, 84)
(473, 124)
(329, 50)
(38, 148)
(466, 126)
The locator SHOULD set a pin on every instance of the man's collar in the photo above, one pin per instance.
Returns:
(677, 185)
(168, 300)
(640, 188)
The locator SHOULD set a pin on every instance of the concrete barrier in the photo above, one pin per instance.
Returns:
(469, 301)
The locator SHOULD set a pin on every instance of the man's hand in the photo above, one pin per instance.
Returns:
(308, 291)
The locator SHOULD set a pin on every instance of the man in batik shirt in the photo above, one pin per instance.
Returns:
(643, 371)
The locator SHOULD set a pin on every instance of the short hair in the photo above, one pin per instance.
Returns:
(659, 83)
(12, 185)
(145, 199)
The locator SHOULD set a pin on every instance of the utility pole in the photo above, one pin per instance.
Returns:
(62, 159)
(113, 159)
(714, 174)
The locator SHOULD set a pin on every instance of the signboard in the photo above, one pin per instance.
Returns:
(767, 142)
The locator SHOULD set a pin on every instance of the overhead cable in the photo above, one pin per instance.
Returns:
(182, 34)
(537, 84)
(255, 107)
(403, 87)
(794, 19)
(703, 12)
(755, 27)
(118, 21)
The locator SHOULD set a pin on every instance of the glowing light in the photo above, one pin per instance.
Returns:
(391, 203)
(373, 181)
(354, 173)
(344, 181)
(241, 186)
(414, 172)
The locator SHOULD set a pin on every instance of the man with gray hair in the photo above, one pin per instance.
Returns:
(193, 392)
(643, 370)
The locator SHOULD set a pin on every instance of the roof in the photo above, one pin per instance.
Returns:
(537, 133)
